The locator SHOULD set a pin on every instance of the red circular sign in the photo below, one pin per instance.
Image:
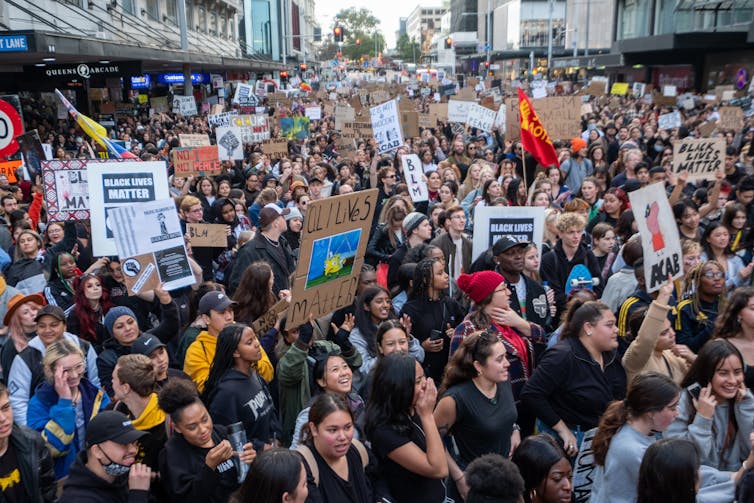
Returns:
(10, 127)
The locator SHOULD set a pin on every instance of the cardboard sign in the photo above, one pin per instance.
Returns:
(208, 235)
(159, 104)
(194, 140)
(659, 235)
(386, 125)
(458, 111)
(413, 174)
(481, 117)
(253, 128)
(706, 129)
(267, 321)
(196, 161)
(245, 95)
(229, 141)
(701, 157)
(184, 105)
(669, 121)
(731, 118)
(333, 244)
(275, 147)
(494, 222)
(150, 245)
(66, 190)
(353, 130)
(343, 114)
(425, 121)
(438, 112)
(619, 88)
(560, 115)
(410, 123)
(113, 185)
(8, 168)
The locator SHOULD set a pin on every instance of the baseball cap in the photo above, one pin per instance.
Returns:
(215, 301)
(111, 425)
(506, 243)
(146, 344)
(269, 213)
(54, 311)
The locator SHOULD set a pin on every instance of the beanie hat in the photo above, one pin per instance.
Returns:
(577, 144)
(480, 285)
(115, 313)
(412, 221)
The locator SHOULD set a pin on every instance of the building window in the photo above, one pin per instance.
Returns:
(261, 34)
(633, 19)
(128, 6)
(224, 26)
(190, 16)
(213, 23)
(171, 11)
(701, 15)
(201, 22)
(153, 9)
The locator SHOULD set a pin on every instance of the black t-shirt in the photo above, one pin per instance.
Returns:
(334, 489)
(405, 486)
(482, 425)
(10, 477)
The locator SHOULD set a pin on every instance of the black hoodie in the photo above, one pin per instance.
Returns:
(83, 486)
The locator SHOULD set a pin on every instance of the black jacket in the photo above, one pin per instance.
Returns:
(35, 465)
(569, 385)
(379, 248)
(83, 486)
(260, 249)
(556, 267)
(537, 308)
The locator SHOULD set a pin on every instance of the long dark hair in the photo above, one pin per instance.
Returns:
(707, 247)
(253, 296)
(423, 278)
(728, 323)
(363, 317)
(708, 360)
(535, 457)
(669, 472)
(475, 348)
(650, 392)
(227, 343)
(582, 312)
(322, 406)
(392, 394)
(273, 473)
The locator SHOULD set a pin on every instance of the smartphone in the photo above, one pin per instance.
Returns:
(435, 335)
(694, 390)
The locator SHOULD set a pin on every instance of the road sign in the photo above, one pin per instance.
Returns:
(494, 67)
(10, 127)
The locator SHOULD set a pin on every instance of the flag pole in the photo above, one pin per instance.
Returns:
(523, 165)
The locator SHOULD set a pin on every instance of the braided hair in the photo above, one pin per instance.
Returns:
(692, 283)
(423, 278)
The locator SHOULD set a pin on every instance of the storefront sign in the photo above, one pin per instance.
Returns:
(13, 43)
(82, 70)
(177, 78)
(141, 82)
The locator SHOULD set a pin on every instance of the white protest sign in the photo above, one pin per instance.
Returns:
(539, 92)
(669, 91)
(222, 120)
(314, 113)
(184, 105)
(659, 235)
(458, 110)
(481, 117)
(229, 141)
(150, 243)
(500, 118)
(638, 89)
(412, 172)
(669, 121)
(494, 222)
(112, 185)
(245, 95)
(386, 126)
(701, 157)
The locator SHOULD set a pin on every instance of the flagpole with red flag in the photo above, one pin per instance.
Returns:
(534, 137)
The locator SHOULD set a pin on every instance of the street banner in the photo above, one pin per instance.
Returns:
(494, 222)
(333, 244)
(414, 176)
(229, 143)
(150, 245)
(112, 185)
(701, 157)
(386, 125)
(200, 161)
(659, 235)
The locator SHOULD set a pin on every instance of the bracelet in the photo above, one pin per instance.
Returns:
(516, 427)
(743, 465)
(459, 478)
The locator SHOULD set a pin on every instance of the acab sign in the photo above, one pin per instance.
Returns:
(82, 70)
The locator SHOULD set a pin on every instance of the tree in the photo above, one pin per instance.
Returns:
(360, 24)
(408, 50)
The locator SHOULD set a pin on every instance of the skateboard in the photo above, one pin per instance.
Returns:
(580, 277)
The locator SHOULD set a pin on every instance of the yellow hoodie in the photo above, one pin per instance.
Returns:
(199, 358)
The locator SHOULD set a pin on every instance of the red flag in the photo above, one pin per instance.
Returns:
(533, 135)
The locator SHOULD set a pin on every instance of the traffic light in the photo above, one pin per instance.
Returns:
(283, 76)
(448, 43)
(338, 33)
(486, 64)
(302, 67)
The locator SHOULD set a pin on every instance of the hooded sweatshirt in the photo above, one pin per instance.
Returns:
(83, 486)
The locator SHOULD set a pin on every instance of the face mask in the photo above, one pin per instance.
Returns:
(113, 469)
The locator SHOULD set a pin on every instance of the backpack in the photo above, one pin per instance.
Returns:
(308, 456)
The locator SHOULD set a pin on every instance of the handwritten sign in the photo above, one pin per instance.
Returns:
(386, 125)
(458, 111)
(267, 321)
(412, 172)
(275, 147)
(208, 235)
(66, 190)
(184, 105)
(731, 118)
(190, 161)
(194, 140)
(670, 120)
(700, 157)
(481, 117)
(619, 88)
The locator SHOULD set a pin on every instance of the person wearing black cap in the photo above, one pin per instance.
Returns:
(27, 371)
(269, 246)
(156, 350)
(107, 470)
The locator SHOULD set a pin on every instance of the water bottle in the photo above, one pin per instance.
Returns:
(237, 439)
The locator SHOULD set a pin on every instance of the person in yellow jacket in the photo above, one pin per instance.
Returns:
(216, 309)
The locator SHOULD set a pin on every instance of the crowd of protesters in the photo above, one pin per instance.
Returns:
(450, 377)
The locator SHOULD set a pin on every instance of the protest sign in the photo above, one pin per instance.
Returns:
(314, 113)
(245, 95)
(112, 185)
(229, 141)
(268, 320)
(619, 88)
(494, 222)
(458, 111)
(481, 117)
(253, 128)
(386, 126)
(438, 112)
(410, 123)
(669, 91)
(150, 245)
(414, 176)
(275, 147)
(638, 89)
(425, 121)
(32, 152)
(670, 120)
(66, 190)
(343, 114)
(295, 127)
(184, 105)
(560, 115)
(8, 168)
(221, 119)
(584, 469)
(189, 161)
(194, 140)
(700, 157)
(352, 130)
(208, 235)
(659, 235)
(159, 104)
(707, 128)
(731, 118)
(333, 244)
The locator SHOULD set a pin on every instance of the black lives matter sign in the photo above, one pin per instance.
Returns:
(520, 229)
(128, 188)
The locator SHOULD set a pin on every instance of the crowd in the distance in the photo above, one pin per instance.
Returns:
(450, 378)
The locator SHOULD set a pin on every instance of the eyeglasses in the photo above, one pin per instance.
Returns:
(76, 369)
(389, 176)
(715, 275)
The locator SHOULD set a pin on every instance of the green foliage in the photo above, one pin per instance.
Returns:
(360, 24)
(408, 51)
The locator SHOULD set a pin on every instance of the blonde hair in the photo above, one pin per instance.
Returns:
(138, 372)
(188, 201)
(57, 351)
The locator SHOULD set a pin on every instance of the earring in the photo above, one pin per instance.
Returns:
(589, 334)
(738, 319)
